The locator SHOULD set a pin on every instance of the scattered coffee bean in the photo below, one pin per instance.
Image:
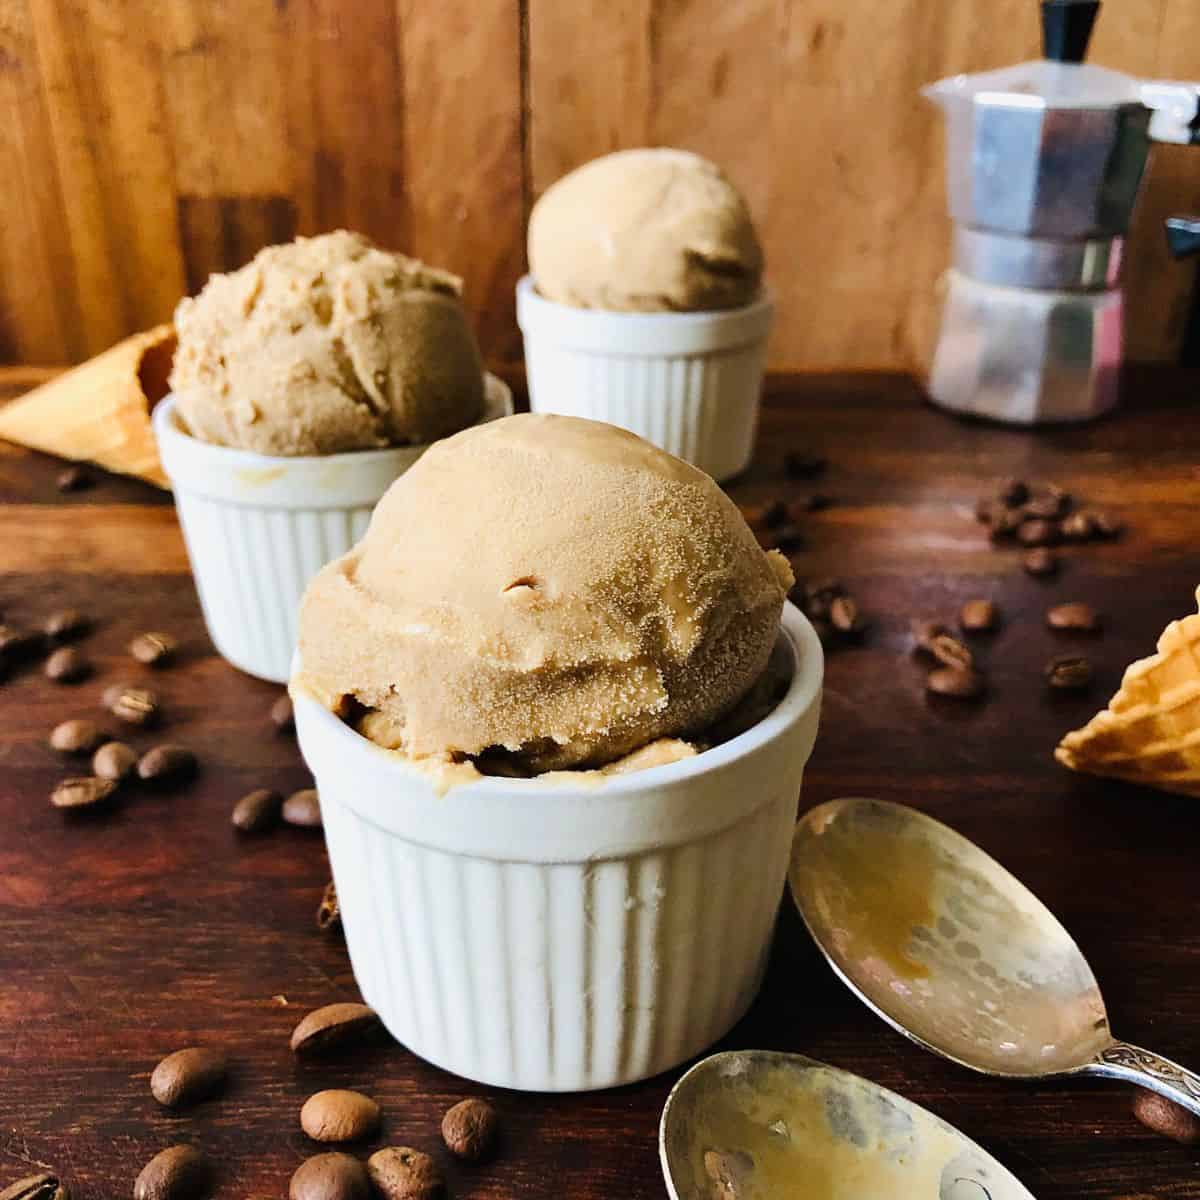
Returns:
(1038, 532)
(1075, 617)
(1078, 527)
(67, 665)
(959, 683)
(1163, 1117)
(167, 764)
(303, 808)
(177, 1173)
(1108, 526)
(334, 1027)
(338, 1115)
(133, 705)
(115, 761)
(45, 1186)
(329, 912)
(815, 598)
(1004, 525)
(282, 716)
(257, 811)
(979, 616)
(803, 466)
(923, 634)
(17, 644)
(402, 1173)
(74, 479)
(86, 791)
(787, 538)
(469, 1129)
(188, 1076)
(330, 1177)
(768, 515)
(845, 617)
(1012, 492)
(1048, 505)
(153, 649)
(813, 502)
(66, 624)
(1068, 672)
(1040, 563)
(77, 736)
(950, 652)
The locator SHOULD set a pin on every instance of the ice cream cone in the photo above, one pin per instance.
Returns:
(100, 411)
(1150, 731)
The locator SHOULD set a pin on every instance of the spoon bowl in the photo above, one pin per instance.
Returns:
(955, 952)
(758, 1125)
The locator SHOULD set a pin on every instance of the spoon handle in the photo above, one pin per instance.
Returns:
(1120, 1060)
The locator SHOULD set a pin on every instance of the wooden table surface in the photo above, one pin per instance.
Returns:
(154, 927)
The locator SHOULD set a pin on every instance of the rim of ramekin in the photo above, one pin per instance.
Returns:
(640, 334)
(803, 691)
(498, 402)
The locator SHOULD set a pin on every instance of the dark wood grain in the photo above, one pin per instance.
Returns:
(154, 927)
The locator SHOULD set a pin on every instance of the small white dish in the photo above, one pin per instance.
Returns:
(689, 382)
(259, 526)
(566, 934)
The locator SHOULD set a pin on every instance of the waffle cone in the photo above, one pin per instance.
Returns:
(100, 411)
(1150, 731)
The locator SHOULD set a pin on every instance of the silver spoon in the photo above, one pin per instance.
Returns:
(757, 1125)
(952, 951)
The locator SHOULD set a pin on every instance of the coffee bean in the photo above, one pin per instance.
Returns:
(329, 912)
(1068, 672)
(257, 811)
(73, 479)
(330, 1177)
(19, 644)
(979, 616)
(188, 1076)
(768, 515)
(67, 665)
(402, 1173)
(177, 1173)
(1163, 1117)
(1012, 492)
(133, 705)
(282, 716)
(66, 624)
(1078, 527)
(1075, 617)
(469, 1129)
(1108, 526)
(153, 649)
(787, 538)
(167, 763)
(338, 1115)
(1048, 506)
(77, 736)
(303, 808)
(955, 682)
(923, 634)
(115, 761)
(1040, 563)
(845, 617)
(1038, 532)
(44, 1186)
(333, 1027)
(813, 502)
(803, 466)
(85, 791)
(950, 652)
(1004, 526)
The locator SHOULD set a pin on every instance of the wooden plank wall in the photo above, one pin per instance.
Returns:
(145, 143)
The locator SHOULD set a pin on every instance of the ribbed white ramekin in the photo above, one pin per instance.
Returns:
(565, 935)
(259, 526)
(688, 382)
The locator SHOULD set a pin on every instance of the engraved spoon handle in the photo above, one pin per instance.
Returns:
(1120, 1060)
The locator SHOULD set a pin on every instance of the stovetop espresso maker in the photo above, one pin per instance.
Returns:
(1044, 160)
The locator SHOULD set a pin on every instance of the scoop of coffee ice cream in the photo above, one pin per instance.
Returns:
(323, 345)
(547, 586)
(645, 230)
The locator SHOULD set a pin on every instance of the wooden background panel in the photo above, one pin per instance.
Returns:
(145, 145)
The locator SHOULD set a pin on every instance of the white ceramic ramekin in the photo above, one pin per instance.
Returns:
(259, 526)
(566, 935)
(688, 382)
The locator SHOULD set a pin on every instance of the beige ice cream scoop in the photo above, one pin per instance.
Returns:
(325, 345)
(645, 231)
(549, 586)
